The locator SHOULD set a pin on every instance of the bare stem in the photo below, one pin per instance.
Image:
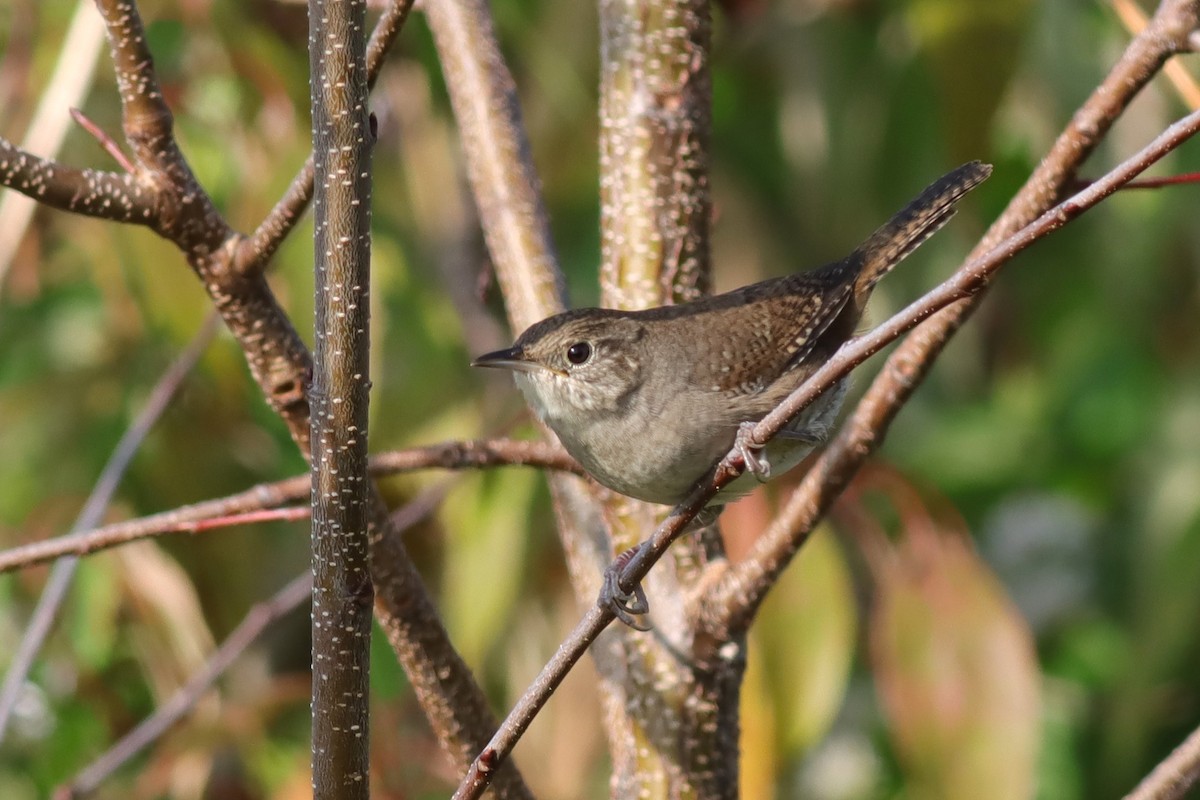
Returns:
(1177, 773)
(257, 620)
(106, 485)
(340, 394)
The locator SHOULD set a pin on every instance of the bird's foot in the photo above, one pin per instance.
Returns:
(627, 606)
(753, 455)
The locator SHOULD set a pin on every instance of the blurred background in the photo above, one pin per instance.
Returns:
(1005, 603)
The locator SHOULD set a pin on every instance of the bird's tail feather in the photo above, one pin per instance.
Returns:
(919, 220)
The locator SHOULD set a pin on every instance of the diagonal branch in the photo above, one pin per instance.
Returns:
(499, 164)
(739, 596)
(61, 576)
(742, 587)
(1177, 773)
(257, 620)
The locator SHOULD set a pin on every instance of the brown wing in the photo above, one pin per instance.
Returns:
(769, 328)
(785, 318)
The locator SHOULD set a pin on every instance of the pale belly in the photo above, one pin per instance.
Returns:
(660, 462)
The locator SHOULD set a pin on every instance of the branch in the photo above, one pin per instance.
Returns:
(500, 168)
(1177, 773)
(59, 582)
(655, 110)
(515, 225)
(732, 601)
(234, 509)
(257, 620)
(1186, 86)
(257, 250)
(115, 196)
(340, 398)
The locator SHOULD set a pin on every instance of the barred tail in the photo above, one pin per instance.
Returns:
(919, 220)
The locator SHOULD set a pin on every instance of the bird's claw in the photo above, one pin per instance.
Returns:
(627, 606)
(752, 454)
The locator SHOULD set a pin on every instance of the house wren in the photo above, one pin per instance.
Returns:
(647, 401)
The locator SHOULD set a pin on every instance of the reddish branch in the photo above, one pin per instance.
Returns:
(236, 509)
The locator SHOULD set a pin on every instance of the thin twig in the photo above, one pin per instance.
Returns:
(196, 518)
(257, 620)
(59, 582)
(483, 768)
(1169, 180)
(1177, 773)
(106, 142)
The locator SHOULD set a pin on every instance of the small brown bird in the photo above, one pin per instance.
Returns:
(647, 401)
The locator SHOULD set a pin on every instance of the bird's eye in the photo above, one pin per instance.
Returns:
(579, 352)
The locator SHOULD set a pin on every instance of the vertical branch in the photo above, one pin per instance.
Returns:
(655, 118)
(342, 591)
(499, 165)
